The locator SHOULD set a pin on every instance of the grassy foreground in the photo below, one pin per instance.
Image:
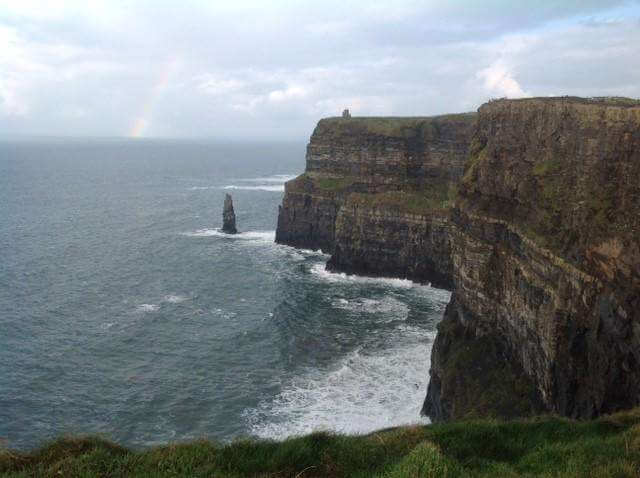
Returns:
(607, 447)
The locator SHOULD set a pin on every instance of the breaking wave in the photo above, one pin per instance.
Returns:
(320, 271)
(363, 392)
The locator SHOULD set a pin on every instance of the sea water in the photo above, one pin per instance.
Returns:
(126, 312)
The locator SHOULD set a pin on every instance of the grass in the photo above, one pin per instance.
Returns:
(390, 126)
(548, 446)
(594, 100)
(333, 184)
(437, 198)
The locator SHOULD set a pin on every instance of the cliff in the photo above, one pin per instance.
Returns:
(529, 211)
(545, 313)
(375, 194)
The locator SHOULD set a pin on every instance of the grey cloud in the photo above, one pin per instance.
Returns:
(271, 70)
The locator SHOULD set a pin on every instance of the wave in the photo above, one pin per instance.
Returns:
(362, 393)
(277, 188)
(389, 307)
(261, 236)
(320, 271)
(274, 183)
(147, 308)
(175, 299)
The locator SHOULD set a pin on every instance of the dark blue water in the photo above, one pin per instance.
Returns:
(125, 312)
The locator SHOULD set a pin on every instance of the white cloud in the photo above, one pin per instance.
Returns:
(292, 92)
(498, 80)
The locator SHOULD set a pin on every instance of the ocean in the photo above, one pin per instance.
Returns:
(125, 312)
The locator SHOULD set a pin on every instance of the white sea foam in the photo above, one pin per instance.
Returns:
(273, 188)
(276, 178)
(260, 236)
(147, 308)
(311, 253)
(389, 307)
(362, 393)
(296, 256)
(225, 314)
(273, 183)
(300, 254)
(321, 272)
(175, 299)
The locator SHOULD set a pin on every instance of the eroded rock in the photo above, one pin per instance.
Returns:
(228, 216)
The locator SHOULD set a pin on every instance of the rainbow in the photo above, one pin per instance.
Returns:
(142, 120)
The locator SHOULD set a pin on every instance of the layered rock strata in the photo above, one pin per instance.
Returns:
(375, 192)
(545, 313)
(386, 240)
(537, 233)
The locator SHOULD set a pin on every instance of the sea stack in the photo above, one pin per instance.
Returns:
(228, 216)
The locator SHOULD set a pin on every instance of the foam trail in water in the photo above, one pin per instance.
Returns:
(147, 308)
(273, 183)
(175, 299)
(276, 178)
(390, 308)
(361, 394)
(261, 236)
(277, 188)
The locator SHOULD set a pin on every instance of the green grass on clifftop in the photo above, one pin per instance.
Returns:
(389, 126)
(607, 447)
(427, 201)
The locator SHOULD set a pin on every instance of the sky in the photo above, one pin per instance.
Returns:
(270, 69)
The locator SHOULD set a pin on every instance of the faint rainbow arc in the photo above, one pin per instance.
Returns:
(142, 119)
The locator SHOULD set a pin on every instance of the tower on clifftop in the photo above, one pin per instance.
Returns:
(346, 114)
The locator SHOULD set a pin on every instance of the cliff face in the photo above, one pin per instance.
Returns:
(383, 240)
(308, 213)
(529, 211)
(545, 313)
(375, 192)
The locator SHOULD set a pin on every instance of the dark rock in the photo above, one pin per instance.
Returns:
(546, 247)
(228, 216)
(473, 374)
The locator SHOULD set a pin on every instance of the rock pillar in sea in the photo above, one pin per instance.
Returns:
(228, 216)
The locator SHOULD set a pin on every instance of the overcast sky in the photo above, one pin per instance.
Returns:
(271, 69)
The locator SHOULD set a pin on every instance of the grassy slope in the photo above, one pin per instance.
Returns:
(607, 447)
